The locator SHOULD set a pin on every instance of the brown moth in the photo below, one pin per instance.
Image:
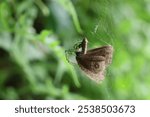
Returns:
(94, 62)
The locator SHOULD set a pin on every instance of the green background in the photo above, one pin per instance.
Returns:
(34, 35)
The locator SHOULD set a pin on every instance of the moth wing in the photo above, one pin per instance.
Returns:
(105, 51)
(93, 66)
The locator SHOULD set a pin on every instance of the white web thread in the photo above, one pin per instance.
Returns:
(99, 25)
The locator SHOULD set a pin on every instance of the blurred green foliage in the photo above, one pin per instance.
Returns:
(34, 35)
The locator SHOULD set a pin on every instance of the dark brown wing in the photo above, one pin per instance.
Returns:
(105, 51)
(94, 62)
(93, 66)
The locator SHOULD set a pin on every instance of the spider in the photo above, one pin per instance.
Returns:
(78, 47)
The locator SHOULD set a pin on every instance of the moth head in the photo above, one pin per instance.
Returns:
(81, 47)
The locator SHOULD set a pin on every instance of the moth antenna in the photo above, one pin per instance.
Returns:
(84, 45)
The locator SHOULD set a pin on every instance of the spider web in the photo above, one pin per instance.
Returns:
(102, 33)
(99, 34)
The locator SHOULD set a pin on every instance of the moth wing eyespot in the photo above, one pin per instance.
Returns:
(96, 65)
